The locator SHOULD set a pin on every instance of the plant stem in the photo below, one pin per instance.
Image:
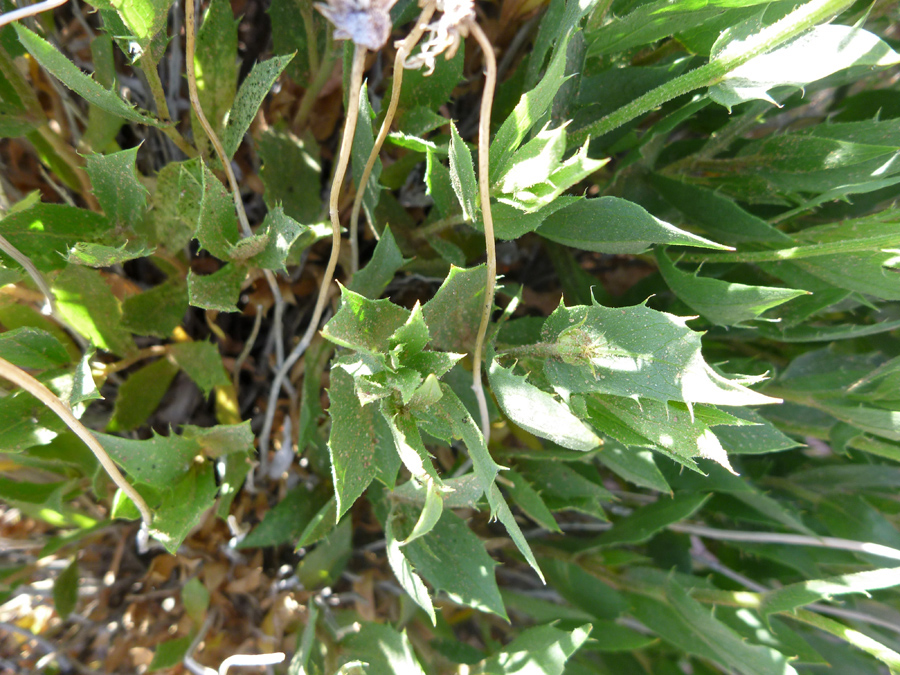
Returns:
(792, 539)
(439, 226)
(403, 50)
(484, 189)
(30, 10)
(797, 252)
(48, 398)
(38, 279)
(322, 75)
(190, 32)
(151, 70)
(792, 25)
(356, 77)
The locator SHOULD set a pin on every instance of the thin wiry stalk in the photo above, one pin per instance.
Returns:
(484, 189)
(356, 77)
(190, 33)
(404, 48)
(38, 279)
(19, 377)
(245, 352)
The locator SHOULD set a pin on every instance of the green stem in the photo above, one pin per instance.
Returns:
(792, 25)
(798, 252)
(439, 226)
(151, 70)
(322, 75)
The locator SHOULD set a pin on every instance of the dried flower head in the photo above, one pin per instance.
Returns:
(444, 34)
(366, 22)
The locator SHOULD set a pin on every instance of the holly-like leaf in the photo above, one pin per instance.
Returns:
(219, 290)
(45, 232)
(32, 348)
(453, 312)
(140, 395)
(541, 650)
(721, 302)
(384, 651)
(202, 363)
(100, 255)
(351, 442)
(462, 175)
(372, 279)
(648, 520)
(635, 351)
(160, 461)
(453, 560)
(217, 226)
(121, 195)
(811, 56)
(182, 506)
(158, 310)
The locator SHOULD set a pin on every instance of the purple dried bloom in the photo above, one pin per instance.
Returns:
(366, 22)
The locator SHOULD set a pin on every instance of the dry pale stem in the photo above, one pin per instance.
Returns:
(403, 50)
(48, 398)
(484, 137)
(340, 171)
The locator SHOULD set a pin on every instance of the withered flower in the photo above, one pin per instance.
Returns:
(366, 22)
(444, 34)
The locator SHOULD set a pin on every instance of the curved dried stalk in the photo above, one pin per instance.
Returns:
(190, 33)
(404, 48)
(484, 190)
(38, 279)
(19, 377)
(340, 171)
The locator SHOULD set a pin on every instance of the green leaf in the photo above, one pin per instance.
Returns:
(408, 443)
(538, 412)
(564, 488)
(221, 440)
(634, 465)
(170, 653)
(26, 422)
(715, 213)
(351, 442)
(65, 590)
(760, 437)
(202, 363)
(215, 65)
(804, 593)
(217, 226)
(614, 225)
(387, 259)
(219, 290)
(114, 179)
(721, 302)
(195, 597)
(363, 142)
(140, 395)
(280, 231)
(541, 650)
(453, 560)
(453, 312)
(402, 568)
(431, 512)
(462, 175)
(158, 310)
(84, 85)
(635, 351)
(286, 521)
(100, 255)
(182, 507)
(45, 232)
(511, 222)
(32, 348)
(160, 461)
(811, 56)
(431, 91)
(648, 520)
(383, 650)
(88, 304)
(249, 97)
(291, 174)
(529, 500)
(323, 566)
(528, 112)
(83, 386)
(729, 648)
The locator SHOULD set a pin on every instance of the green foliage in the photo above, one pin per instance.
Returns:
(700, 268)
